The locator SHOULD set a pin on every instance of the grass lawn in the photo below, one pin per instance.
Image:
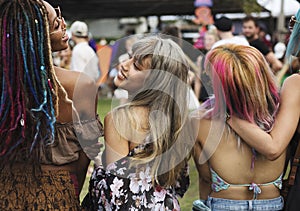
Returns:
(192, 194)
(104, 106)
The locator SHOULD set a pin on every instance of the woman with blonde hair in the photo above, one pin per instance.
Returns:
(240, 177)
(147, 142)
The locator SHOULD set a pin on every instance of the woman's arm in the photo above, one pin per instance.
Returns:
(272, 145)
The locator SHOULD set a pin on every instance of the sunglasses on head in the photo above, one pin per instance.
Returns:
(292, 22)
(59, 17)
(58, 12)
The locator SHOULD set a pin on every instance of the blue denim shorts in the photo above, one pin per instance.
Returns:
(219, 204)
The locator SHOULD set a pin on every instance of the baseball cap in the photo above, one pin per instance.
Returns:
(279, 50)
(79, 29)
(223, 24)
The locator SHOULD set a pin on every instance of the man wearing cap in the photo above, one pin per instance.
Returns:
(279, 50)
(225, 32)
(250, 30)
(84, 58)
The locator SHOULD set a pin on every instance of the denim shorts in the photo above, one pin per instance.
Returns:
(219, 204)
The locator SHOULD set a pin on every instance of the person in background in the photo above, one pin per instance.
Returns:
(84, 58)
(250, 30)
(174, 33)
(286, 131)
(279, 51)
(240, 177)
(202, 83)
(92, 42)
(43, 165)
(65, 58)
(291, 67)
(264, 36)
(147, 140)
(225, 30)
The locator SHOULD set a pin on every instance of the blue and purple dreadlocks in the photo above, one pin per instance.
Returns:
(28, 85)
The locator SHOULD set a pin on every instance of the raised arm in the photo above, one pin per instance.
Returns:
(272, 145)
(275, 63)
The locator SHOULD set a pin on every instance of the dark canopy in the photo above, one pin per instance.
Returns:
(97, 9)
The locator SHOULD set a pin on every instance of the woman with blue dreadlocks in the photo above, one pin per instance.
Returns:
(47, 114)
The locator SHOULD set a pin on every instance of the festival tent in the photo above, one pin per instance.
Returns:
(290, 7)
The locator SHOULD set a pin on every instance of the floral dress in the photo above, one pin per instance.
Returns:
(121, 187)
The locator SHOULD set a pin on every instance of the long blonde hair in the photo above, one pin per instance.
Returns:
(164, 94)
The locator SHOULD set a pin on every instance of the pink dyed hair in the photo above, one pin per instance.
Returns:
(243, 84)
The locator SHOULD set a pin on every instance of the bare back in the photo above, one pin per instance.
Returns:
(81, 90)
(120, 140)
(232, 162)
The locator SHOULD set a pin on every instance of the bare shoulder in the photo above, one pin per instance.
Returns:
(77, 85)
(293, 80)
(114, 130)
(112, 118)
(201, 123)
(138, 116)
(291, 86)
(132, 124)
(108, 118)
(71, 79)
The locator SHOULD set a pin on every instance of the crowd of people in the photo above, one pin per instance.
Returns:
(242, 134)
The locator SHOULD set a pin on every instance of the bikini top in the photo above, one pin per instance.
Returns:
(219, 184)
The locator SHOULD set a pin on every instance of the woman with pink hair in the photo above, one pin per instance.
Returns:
(286, 131)
(240, 178)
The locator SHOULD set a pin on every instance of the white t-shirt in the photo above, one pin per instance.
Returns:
(240, 40)
(84, 59)
(193, 102)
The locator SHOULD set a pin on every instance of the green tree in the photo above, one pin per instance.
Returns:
(250, 6)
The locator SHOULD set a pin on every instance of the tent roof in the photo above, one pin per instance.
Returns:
(98, 9)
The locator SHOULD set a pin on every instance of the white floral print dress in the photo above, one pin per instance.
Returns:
(121, 187)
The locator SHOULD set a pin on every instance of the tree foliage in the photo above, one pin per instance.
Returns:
(250, 6)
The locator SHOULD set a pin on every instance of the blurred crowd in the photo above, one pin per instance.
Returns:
(248, 31)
